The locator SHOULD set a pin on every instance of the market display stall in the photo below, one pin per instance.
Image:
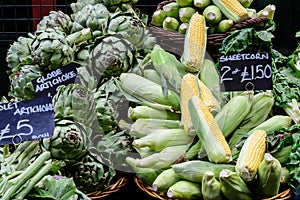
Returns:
(190, 102)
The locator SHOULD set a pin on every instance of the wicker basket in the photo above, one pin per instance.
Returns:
(108, 191)
(285, 195)
(173, 41)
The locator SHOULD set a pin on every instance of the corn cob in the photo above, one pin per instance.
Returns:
(194, 170)
(147, 175)
(184, 3)
(224, 25)
(212, 14)
(161, 138)
(171, 9)
(208, 131)
(208, 98)
(210, 77)
(160, 160)
(262, 104)
(232, 9)
(267, 12)
(183, 28)
(210, 187)
(270, 125)
(201, 3)
(251, 155)
(143, 126)
(285, 177)
(193, 151)
(269, 174)
(170, 24)
(192, 86)
(158, 17)
(185, 14)
(165, 180)
(152, 75)
(147, 91)
(144, 151)
(151, 113)
(195, 43)
(184, 190)
(233, 186)
(234, 112)
(168, 67)
(252, 13)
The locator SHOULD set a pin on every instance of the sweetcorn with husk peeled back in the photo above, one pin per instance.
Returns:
(111, 56)
(52, 48)
(21, 86)
(232, 9)
(75, 102)
(208, 131)
(195, 43)
(251, 155)
(192, 86)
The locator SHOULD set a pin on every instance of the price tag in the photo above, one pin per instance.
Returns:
(247, 71)
(49, 84)
(26, 120)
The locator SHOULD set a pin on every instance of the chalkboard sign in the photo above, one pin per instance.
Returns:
(49, 84)
(245, 71)
(26, 120)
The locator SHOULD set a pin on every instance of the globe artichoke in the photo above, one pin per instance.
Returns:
(89, 175)
(79, 4)
(20, 81)
(111, 56)
(132, 29)
(19, 51)
(56, 19)
(53, 48)
(75, 102)
(114, 5)
(70, 141)
(91, 16)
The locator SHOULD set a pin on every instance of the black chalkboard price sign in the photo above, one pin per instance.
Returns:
(49, 84)
(245, 71)
(26, 120)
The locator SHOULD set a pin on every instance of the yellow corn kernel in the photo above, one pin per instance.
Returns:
(236, 7)
(189, 88)
(195, 43)
(232, 9)
(251, 155)
(191, 85)
(208, 131)
(208, 98)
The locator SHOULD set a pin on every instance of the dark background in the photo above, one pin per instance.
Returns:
(16, 19)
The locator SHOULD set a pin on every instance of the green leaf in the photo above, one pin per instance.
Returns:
(54, 187)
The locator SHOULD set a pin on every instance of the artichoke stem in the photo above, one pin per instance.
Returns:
(34, 180)
(27, 174)
(80, 36)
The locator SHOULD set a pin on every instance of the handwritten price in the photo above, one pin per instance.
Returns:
(247, 74)
(21, 124)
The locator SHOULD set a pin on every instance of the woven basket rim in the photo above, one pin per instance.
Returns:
(111, 189)
(284, 195)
